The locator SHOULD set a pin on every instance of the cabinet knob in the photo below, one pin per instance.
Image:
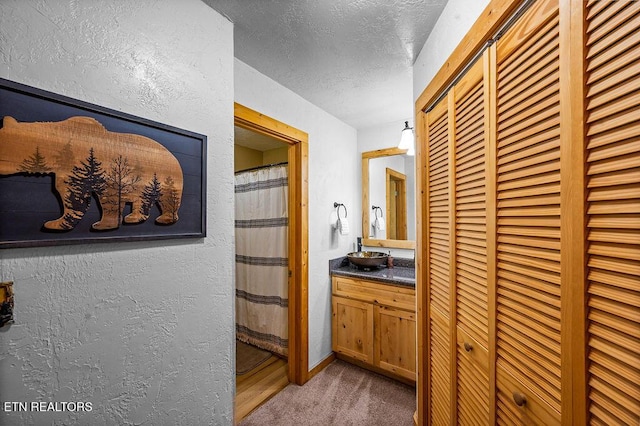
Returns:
(519, 399)
(468, 346)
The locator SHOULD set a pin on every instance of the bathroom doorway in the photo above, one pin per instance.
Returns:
(273, 157)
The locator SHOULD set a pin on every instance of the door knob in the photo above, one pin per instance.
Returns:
(519, 399)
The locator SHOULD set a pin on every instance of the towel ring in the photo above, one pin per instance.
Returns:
(375, 211)
(337, 206)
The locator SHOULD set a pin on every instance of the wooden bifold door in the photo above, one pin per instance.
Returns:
(529, 169)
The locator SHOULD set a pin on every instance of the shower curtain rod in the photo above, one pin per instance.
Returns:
(266, 166)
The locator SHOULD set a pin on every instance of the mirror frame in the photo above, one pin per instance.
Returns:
(366, 214)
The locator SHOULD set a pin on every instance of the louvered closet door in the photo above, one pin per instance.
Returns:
(439, 266)
(472, 373)
(528, 220)
(613, 222)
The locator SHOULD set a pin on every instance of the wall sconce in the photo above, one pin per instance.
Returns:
(406, 139)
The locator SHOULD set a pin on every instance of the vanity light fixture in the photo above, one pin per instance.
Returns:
(406, 139)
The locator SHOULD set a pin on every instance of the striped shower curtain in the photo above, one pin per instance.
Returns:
(262, 258)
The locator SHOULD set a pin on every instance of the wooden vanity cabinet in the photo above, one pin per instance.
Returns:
(375, 324)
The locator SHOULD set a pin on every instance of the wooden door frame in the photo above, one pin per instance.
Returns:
(298, 157)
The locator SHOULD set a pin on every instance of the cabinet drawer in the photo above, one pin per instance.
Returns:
(521, 405)
(367, 291)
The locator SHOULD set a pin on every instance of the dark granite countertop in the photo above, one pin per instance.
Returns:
(403, 272)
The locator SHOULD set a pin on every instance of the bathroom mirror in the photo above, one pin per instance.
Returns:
(388, 182)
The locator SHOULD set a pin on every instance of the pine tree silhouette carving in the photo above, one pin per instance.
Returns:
(151, 194)
(64, 157)
(84, 180)
(35, 163)
(121, 180)
(171, 198)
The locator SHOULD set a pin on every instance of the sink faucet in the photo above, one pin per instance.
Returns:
(359, 244)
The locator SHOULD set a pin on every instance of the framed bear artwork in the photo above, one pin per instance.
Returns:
(73, 172)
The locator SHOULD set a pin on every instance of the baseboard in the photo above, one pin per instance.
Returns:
(323, 364)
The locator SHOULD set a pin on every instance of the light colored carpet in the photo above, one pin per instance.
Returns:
(341, 394)
(249, 357)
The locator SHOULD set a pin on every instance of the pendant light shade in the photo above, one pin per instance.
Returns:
(406, 139)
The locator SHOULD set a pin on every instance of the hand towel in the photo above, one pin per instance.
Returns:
(343, 225)
(333, 219)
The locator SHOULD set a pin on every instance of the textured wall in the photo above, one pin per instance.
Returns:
(143, 331)
(458, 15)
(333, 163)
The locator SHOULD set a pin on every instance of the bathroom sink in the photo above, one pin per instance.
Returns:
(367, 259)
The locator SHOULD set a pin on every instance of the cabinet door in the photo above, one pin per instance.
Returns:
(528, 283)
(395, 341)
(613, 211)
(353, 328)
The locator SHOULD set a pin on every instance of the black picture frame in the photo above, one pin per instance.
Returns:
(29, 200)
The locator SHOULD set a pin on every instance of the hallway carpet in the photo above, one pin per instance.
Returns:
(341, 394)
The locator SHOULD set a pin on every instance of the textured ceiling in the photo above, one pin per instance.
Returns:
(352, 58)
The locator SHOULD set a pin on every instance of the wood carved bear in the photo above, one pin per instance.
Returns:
(88, 160)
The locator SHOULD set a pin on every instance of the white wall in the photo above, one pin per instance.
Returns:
(333, 173)
(455, 21)
(144, 331)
